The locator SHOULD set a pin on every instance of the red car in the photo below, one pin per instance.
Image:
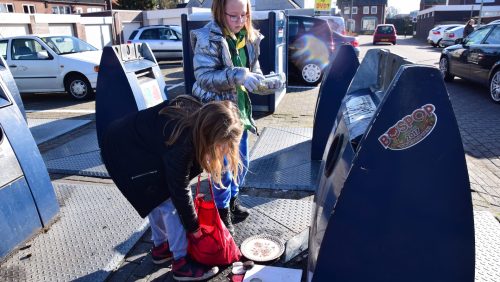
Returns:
(384, 33)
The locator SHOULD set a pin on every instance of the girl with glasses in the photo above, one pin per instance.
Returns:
(226, 67)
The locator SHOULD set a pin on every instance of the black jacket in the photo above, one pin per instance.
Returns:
(468, 29)
(147, 171)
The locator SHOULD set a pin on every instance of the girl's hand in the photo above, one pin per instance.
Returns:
(252, 81)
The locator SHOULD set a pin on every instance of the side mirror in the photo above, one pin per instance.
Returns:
(459, 41)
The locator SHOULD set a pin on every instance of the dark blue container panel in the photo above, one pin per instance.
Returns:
(394, 201)
(129, 80)
(27, 198)
(18, 215)
(339, 74)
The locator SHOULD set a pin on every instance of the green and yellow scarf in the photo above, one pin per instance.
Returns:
(237, 42)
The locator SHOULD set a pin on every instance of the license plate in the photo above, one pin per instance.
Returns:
(384, 39)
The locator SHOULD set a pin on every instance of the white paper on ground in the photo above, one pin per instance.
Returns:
(272, 274)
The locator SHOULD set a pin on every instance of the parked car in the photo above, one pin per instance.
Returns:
(451, 35)
(164, 40)
(311, 44)
(52, 63)
(476, 58)
(336, 24)
(384, 33)
(436, 34)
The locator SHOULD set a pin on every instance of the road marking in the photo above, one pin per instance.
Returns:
(62, 111)
(175, 86)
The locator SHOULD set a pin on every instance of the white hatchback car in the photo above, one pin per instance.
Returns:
(164, 40)
(436, 34)
(41, 64)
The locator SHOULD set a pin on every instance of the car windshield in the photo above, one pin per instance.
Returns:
(67, 44)
(385, 29)
(177, 30)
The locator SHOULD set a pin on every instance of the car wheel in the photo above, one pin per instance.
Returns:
(439, 44)
(444, 67)
(495, 87)
(394, 43)
(311, 74)
(374, 43)
(79, 87)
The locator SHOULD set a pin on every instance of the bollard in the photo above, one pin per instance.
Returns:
(394, 200)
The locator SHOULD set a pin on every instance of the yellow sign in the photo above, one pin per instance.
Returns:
(322, 5)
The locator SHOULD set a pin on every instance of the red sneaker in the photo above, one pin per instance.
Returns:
(188, 270)
(161, 253)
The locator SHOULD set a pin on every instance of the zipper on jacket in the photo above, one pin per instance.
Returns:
(143, 174)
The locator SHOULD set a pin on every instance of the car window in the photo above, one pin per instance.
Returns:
(494, 37)
(3, 48)
(133, 34)
(167, 34)
(67, 44)
(28, 49)
(385, 30)
(477, 36)
(150, 34)
(450, 27)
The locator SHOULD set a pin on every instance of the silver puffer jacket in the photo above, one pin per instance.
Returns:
(216, 76)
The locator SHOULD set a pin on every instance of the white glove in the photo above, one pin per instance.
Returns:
(252, 81)
(274, 84)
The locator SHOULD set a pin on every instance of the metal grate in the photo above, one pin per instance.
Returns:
(487, 235)
(281, 159)
(97, 227)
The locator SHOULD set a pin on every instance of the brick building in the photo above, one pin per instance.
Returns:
(52, 6)
(362, 16)
(457, 11)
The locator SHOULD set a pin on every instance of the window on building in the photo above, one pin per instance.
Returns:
(29, 9)
(373, 10)
(366, 10)
(368, 23)
(78, 10)
(6, 8)
(92, 10)
(347, 10)
(61, 10)
(354, 10)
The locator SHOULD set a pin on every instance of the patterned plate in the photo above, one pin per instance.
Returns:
(262, 248)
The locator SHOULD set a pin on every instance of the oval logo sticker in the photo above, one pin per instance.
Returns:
(411, 129)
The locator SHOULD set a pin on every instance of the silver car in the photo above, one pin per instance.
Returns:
(164, 40)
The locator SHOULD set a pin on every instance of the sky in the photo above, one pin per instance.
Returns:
(404, 6)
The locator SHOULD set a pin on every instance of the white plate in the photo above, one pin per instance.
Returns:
(262, 248)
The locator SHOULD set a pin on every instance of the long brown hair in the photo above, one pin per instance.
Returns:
(214, 124)
(219, 14)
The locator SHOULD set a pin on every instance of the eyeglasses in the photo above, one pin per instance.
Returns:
(235, 19)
